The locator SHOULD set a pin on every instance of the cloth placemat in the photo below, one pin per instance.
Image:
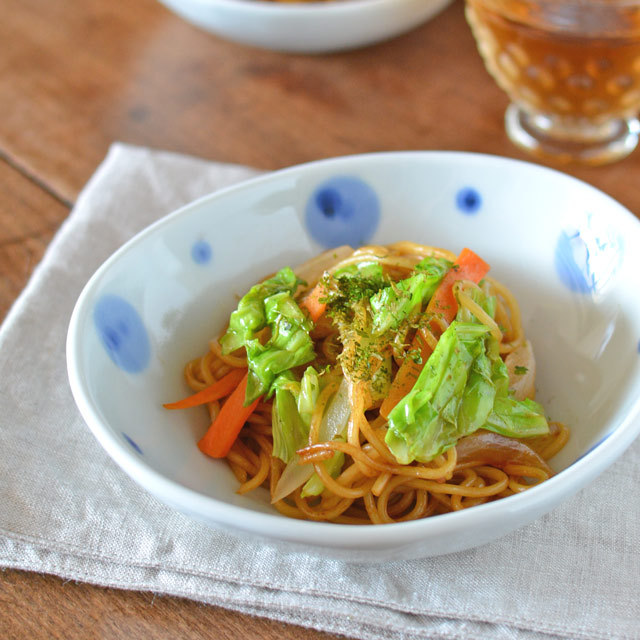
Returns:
(68, 510)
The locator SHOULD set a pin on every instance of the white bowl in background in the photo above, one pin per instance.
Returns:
(569, 253)
(307, 27)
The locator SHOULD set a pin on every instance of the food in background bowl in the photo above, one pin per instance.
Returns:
(376, 385)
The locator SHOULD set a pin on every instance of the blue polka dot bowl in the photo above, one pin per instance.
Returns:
(569, 253)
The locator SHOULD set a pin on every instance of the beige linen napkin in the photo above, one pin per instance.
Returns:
(68, 510)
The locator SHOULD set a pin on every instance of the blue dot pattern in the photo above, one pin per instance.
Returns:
(468, 200)
(133, 443)
(201, 252)
(587, 256)
(572, 262)
(122, 333)
(342, 210)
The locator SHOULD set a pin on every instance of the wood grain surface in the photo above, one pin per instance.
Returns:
(76, 76)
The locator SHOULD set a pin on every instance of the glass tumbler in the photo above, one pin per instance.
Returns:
(571, 69)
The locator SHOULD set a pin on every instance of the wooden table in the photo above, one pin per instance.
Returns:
(75, 76)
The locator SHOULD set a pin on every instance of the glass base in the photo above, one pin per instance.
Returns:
(564, 141)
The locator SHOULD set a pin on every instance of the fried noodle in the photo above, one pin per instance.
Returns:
(372, 486)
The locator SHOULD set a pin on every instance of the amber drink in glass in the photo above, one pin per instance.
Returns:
(571, 70)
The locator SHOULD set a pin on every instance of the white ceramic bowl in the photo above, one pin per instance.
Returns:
(570, 254)
(307, 27)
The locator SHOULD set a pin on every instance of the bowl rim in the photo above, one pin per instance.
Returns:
(322, 534)
(314, 8)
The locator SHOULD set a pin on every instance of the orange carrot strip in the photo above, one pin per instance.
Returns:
(312, 302)
(219, 389)
(407, 375)
(225, 428)
(468, 266)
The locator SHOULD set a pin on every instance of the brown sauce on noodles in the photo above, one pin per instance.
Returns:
(372, 487)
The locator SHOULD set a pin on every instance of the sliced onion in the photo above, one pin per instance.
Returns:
(486, 447)
(293, 476)
(522, 385)
(335, 418)
(334, 422)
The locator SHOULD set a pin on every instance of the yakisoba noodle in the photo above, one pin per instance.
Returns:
(372, 486)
